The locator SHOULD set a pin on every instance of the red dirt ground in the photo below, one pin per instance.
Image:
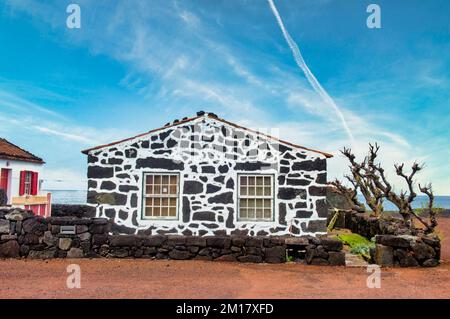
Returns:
(115, 278)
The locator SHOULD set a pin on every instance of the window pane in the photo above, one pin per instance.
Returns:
(267, 180)
(259, 213)
(251, 213)
(243, 180)
(259, 180)
(267, 191)
(243, 203)
(148, 190)
(165, 179)
(164, 211)
(173, 212)
(251, 191)
(148, 211)
(164, 189)
(259, 203)
(251, 180)
(156, 211)
(149, 179)
(157, 201)
(173, 179)
(251, 202)
(164, 202)
(259, 191)
(267, 203)
(173, 202)
(243, 213)
(243, 190)
(267, 213)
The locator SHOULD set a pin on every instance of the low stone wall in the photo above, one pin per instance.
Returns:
(24, 235)
(395, 246)
(406, 251)
(368, 226)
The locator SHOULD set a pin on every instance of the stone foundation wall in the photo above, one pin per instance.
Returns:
(24, 235)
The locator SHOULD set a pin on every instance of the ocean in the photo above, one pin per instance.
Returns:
(79, 197)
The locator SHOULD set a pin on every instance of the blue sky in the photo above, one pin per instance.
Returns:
(135, 65)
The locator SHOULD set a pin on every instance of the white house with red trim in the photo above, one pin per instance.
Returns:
(20, 173)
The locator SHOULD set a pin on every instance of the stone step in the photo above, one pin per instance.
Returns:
(352, 260)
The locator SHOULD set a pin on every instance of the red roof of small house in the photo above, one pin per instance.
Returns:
(211, 115)
(9, 151)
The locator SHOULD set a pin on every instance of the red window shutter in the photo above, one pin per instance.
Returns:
(22, 183)
(34, 183)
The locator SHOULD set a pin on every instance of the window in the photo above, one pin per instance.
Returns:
(27, 183)
(161, 196)
(255, 197)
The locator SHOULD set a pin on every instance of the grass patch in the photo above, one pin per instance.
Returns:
(358, 244)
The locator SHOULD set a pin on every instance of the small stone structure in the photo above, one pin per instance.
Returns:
(395, 244)
(24, 235)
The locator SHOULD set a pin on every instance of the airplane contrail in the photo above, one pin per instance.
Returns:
(309, 76)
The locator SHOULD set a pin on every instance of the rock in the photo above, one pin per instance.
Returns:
(4, 226)
(275, 255)
(332, 244)
(384, 255)
(423, 251)
(10, 249)
(124, 240)
(99, 239)
(107, 198)
(291, 193)
(196, 241)
(315, 226)
(154, 241)
(336, 258)
(318, 164)
(64, 243)
(223, 198)
(250, 259)
(100, 172)
(18, 215)
(319, 261)
(8, 237)
(193, 187)
(84, 236)
(35, 225)
(432, 262)
(204, 215)
(254, 242)
(81, 229)
(431, 240)
(75, 253)
(179, 254)
(163, 163)
(405, 258)
(299, 242)
(404, 241)
(49, 239)
(218, 241)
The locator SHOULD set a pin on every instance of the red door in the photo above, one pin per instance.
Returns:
(4, 179)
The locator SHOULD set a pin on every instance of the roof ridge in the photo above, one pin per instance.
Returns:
(211, 115)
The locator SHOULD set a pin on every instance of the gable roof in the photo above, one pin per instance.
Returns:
(9, 151)
(215, 117)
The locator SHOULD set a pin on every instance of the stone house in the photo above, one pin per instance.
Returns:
(207, 176)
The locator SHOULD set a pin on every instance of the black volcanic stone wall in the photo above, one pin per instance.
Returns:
(208, 155)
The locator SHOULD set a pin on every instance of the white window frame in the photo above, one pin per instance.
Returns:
(145, 196)
(271, 197)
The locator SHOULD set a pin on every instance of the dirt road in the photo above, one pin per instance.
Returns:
(115, 278)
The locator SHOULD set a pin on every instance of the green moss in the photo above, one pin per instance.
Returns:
(359, 245)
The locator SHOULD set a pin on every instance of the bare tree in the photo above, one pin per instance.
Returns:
(370, 178)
